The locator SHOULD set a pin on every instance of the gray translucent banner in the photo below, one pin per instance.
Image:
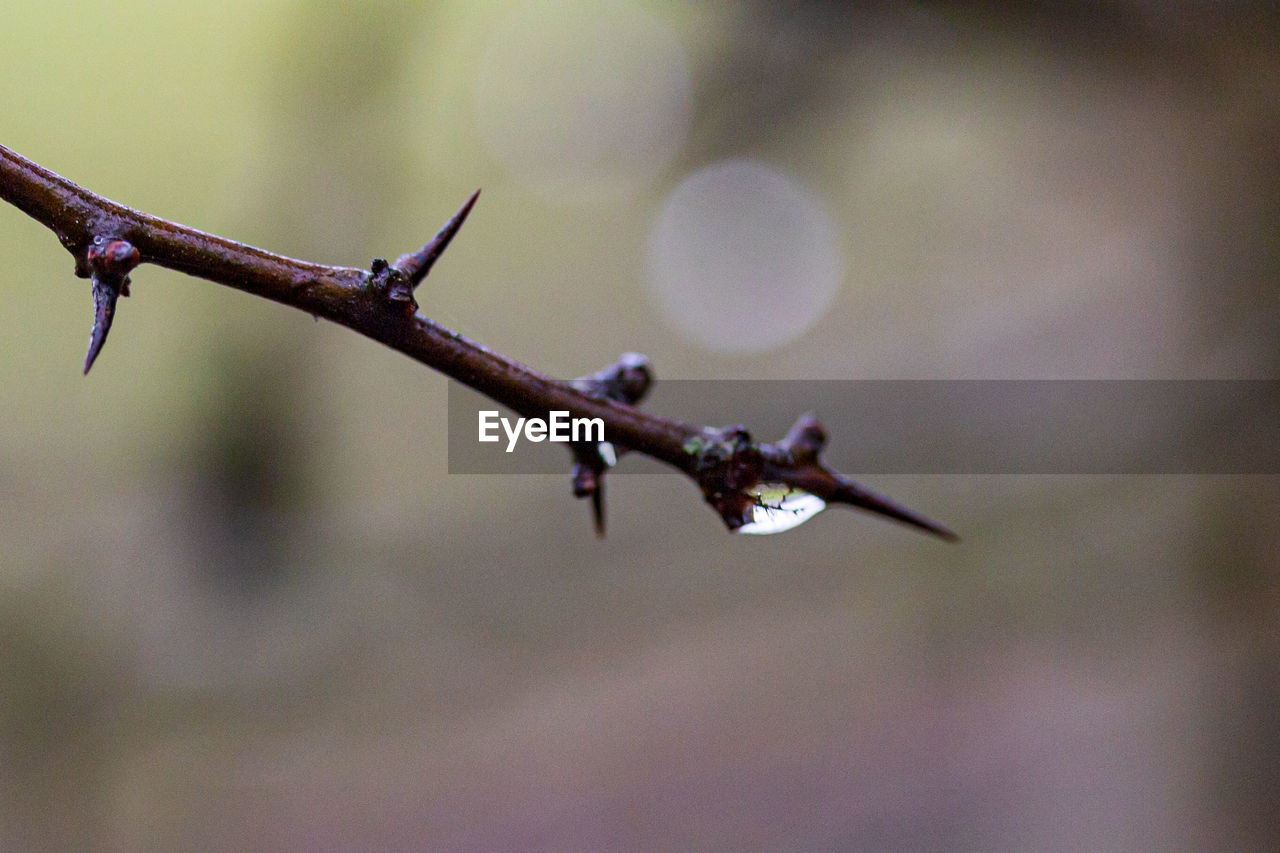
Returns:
(948, 426)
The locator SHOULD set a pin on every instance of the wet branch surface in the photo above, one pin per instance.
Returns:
(108, 241)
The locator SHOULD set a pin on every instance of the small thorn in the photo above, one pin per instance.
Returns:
(597, 507)
(416, 265)
(104, 311)
(627, 380)
(805, 439)
(109, 260)
(587, 476)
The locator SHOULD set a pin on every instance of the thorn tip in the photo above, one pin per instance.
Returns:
(109, 261)
(851, 494)
(104, 310)
(416, 265)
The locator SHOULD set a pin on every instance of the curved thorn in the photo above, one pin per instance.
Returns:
(104, 311)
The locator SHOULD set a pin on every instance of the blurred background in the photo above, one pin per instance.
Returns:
(243, 605)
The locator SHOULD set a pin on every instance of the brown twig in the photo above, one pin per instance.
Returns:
(108, 240)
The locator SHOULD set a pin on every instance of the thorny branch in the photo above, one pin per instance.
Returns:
(109, 240)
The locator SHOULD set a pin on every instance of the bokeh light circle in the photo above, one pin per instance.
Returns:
(743, 259)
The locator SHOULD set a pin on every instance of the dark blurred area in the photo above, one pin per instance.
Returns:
(245, 607)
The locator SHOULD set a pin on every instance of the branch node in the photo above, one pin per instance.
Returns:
(726, 465)
(416, 265)
(625, 381)
(805, 440)
(109, 261)
(392, 286)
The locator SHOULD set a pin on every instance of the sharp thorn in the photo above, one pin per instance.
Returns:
(104, 311)
(852, 494)
(416, 265)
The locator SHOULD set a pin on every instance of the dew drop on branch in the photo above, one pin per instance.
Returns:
(779, 507)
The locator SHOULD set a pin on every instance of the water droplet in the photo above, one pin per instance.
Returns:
(608, 454)
(779, 507)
